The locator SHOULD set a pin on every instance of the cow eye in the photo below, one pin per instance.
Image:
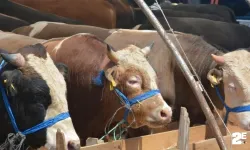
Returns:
(134, 81)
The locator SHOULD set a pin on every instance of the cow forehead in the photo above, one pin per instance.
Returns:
(47, 70)
(237, 64)
(133, 56)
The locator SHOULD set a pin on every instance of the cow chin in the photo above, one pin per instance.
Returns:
(150, 124)
(72, 140)
(243, 120)
(158, 124)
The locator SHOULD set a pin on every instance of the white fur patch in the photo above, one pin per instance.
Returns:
(132, 55)
(59, 45)
(54, 79)
(37, 27)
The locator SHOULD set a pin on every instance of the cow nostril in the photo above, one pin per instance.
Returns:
(163, 114)
(73, 145)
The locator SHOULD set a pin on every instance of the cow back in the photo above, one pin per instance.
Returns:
(97, 13)
(31, 15)
(47, 30)
(219, 10)
(13, 42)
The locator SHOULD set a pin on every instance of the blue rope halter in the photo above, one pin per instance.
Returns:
(45, 124)
(124, 100)
(229, 109)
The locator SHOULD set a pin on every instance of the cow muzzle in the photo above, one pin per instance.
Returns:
(160, 115)
(74, 145)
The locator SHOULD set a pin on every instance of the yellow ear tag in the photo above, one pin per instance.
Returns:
(214, 80)
(13, 87)
(112, 85)
(212, 85)
(111, 88)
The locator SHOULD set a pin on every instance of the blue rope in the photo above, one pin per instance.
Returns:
(229, 109)
(128, 102)
(47, 123)
(36, 128)
(99, 79)
(135, 100)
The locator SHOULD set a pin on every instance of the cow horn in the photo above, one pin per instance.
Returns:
(218, 59)
(147, 49)
(112, 55)
(215, 76)
(14, 59)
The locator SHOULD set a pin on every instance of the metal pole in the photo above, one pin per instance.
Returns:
(187, 73)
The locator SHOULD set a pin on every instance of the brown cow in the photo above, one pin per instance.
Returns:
(85, 55)
(124, 14)
(198, 51)
(130, 70)
(97, 13)
(31, 15)
(47, 30)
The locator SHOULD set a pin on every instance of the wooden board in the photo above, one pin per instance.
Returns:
(168, 140)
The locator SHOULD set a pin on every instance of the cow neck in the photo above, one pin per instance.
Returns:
(111, 100)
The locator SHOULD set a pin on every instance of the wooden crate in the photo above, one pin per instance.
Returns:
(168, 140)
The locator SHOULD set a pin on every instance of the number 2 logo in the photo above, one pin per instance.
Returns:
(238, 137)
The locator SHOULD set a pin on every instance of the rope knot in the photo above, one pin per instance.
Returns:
(13, 141)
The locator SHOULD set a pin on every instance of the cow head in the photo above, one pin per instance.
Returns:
(235, 73)
(36, 92)
(133, 76)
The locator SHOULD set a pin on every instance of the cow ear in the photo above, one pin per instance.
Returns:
(215, 76)
(110, 76)
(40, 50)
(63, 69)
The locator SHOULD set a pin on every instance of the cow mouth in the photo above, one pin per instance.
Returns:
(158, 124)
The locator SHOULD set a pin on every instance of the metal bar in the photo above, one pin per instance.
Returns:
(187, 73)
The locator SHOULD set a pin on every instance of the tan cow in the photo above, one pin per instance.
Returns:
(47, 30)
(13, 42)
(234, 71)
